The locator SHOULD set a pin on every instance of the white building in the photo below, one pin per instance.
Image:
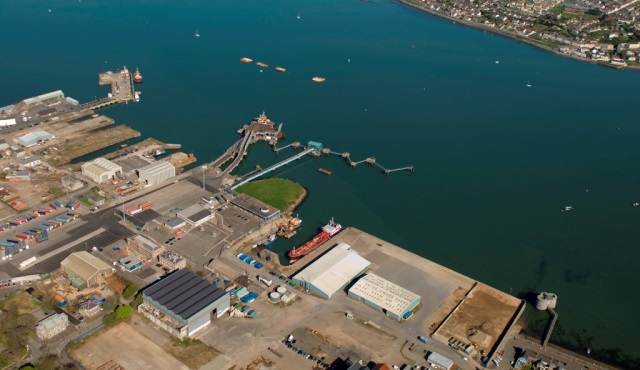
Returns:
(330, 273)
(30, 162)
(383, 295)
(156, 172)
(52, 326)
(101, 170)
(195, 215)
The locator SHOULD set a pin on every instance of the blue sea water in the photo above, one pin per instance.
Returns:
(495, 160)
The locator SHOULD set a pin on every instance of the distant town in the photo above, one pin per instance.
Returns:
(606, 33)
(139, 258)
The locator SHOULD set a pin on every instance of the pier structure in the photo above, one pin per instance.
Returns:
(121, 89)
(274, 167)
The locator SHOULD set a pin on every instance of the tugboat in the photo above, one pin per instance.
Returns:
(137, 76)
(159, 153)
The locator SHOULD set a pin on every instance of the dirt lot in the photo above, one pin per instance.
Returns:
(90, 142)
(481, 318)
(125, 346)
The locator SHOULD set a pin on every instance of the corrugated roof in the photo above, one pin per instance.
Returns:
(34, 137)
(184, 293)
(84, 264)
(439, 359)
(157, 167)
(384, 293)
(333, 270)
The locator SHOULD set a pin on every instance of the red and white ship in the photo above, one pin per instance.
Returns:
(325, 234)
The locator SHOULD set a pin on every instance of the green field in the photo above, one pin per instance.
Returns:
(279, 193)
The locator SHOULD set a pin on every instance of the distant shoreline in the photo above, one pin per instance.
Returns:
(513, 36)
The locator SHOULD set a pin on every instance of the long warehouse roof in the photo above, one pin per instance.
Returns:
(184, 293)
(384, 293)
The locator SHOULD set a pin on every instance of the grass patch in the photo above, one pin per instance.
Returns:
(21, 303)
(191, 352)
(84, 200)
(56, 191)
(279, 193)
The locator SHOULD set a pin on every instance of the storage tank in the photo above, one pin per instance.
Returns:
(281, 290)
(274, 297)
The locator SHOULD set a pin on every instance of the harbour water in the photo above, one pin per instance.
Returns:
(495, 160)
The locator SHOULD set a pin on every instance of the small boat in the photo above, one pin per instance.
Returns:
(636, 204)
(137, 76)
(270, 239)
(298, 16)
(246, 60)
(529, 83)
(318, 79)
(497, 62)
(197, 33)
(136, 97)
(567, 208)
(280, 69)
(326, 172)
(262, 65)
(123, 145)
(159, 152)
(49, 11)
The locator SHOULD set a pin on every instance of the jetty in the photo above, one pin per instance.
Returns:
(122, 90)
(320, 150)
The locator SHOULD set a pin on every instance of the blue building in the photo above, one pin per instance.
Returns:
(130, 263)
(183, 303)
(385, 296)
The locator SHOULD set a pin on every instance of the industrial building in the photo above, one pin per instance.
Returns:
(30, 162)
(85, 266)
(255, 207)
(195, 215)
(172, 260)
(130, 263)
(34, 138)
(383, 295)
(71, 183)
(101, 170)
(44, 99)
(439, 361)
(156, 172)
(52, 326)
(183, 303)
(333, 271)
(145, 247)
(175, 223)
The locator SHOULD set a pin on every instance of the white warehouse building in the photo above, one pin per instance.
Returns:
(156, 172)
(383, 295)
(101, 170)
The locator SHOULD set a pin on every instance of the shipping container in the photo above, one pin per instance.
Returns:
(146, 205)
(53, 206)
(13, 241)
(136, 211)
(75, 206)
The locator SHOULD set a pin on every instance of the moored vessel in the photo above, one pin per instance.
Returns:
(280, 69)
(137, 76)
(325, 172)
(262, 65)
(325, 234)
(269, 240)
(318, 79)
(159, 152)
(246, 60)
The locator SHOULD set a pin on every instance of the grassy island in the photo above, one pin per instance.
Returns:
(282, 194)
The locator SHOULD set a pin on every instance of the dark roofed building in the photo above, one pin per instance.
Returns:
(183, 303)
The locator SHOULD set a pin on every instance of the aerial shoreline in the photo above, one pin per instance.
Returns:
(513, 36)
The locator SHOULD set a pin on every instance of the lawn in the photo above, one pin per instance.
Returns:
(279, 193)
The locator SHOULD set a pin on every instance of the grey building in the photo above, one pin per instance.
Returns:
(183, 303)
(156, 172)
(195, 215)
(34, 138)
